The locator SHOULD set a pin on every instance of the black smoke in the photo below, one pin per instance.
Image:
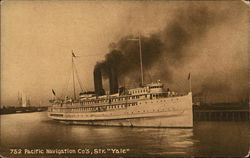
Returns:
(126, 57)
(166, 51)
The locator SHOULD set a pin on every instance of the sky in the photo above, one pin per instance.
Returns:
(37, 38)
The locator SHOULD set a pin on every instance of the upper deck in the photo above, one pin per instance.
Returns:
(150, 91)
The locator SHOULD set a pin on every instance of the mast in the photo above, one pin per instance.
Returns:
(24, 100)
(73, 75)
(141, 67)
(19, 98)
(141, 60)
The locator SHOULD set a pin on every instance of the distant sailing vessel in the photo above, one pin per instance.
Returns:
(151, 105)
(23, 100)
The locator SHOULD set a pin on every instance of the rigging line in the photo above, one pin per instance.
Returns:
(67, 83)
(79, 81)
(180, 84)
(78, 78)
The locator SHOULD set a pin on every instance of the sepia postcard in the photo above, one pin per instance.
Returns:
(128, 78)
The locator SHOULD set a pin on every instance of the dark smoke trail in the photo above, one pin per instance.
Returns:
(126, 58)
(188, 26)
(167, 51)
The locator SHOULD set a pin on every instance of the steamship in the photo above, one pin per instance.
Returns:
(149, 105)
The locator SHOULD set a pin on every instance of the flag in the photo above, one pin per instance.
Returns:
(189, 75)
(53, 92)
(73, 55)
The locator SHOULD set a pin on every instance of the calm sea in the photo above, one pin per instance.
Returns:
(21, 134)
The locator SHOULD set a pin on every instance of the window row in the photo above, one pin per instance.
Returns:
(98, 109)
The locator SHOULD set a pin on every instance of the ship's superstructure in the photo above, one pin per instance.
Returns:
(149, 105)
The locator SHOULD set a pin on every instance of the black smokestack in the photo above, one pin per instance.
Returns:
(98, 81)
(113, 81)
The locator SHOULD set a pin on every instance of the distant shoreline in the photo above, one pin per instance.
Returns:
(17, 110)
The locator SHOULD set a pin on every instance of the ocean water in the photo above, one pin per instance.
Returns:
(24, 135)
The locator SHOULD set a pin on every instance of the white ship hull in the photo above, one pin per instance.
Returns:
(162, 112)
